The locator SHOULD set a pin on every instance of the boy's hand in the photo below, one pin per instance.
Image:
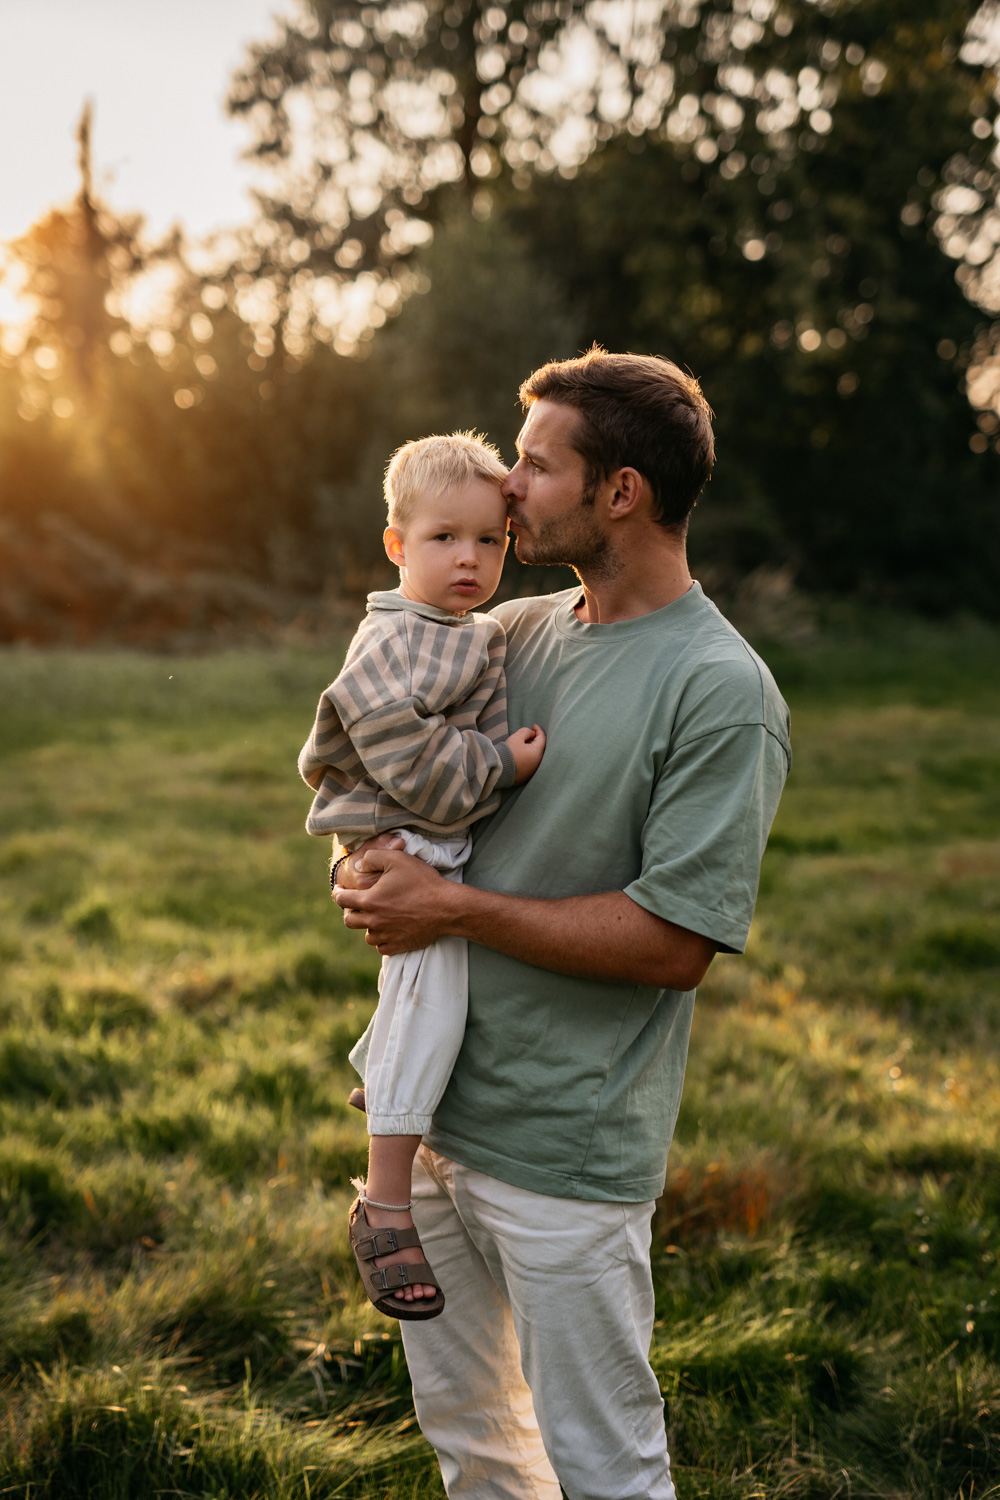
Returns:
(527, 747)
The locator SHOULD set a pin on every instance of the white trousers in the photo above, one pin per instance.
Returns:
(409, 1049)
(539, 1365)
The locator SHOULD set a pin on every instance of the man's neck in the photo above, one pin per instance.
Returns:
(647, 580)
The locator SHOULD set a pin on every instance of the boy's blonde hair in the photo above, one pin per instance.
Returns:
(431, 465)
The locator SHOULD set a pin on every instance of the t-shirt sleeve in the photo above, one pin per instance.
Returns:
(709, 817)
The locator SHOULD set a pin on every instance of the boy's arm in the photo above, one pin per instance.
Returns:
(430, 767)
(388, 702)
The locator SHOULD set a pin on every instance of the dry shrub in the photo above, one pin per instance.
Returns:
(699, 1204)
(62, 585)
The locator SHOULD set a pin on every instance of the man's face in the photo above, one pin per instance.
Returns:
(549, 501)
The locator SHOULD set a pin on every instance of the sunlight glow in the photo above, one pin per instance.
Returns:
(16, 308)
(157, 75)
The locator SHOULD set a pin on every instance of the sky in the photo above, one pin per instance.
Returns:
(157, 72)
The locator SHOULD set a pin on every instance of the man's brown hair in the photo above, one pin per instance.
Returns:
(638, 412)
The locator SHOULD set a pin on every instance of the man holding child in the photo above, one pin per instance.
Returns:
(593, 903)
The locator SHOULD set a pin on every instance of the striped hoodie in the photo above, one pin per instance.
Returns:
(410, 735)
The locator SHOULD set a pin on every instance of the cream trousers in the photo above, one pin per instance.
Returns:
(538, 1367)
(409, 1049)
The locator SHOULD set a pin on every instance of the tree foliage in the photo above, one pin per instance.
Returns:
(774, 192)
(815, 302)
(362, 115)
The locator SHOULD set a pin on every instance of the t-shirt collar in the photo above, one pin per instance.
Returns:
(678, 612)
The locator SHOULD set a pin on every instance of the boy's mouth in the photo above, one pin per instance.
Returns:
(466, 586)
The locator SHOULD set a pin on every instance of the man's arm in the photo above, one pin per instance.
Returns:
(605, 936)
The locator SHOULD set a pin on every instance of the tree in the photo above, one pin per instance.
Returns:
(362, 113)
(366, 119)
(179, 440)
(816, 305)
(69, 261)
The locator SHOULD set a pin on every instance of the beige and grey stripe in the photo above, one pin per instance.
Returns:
(411, 733)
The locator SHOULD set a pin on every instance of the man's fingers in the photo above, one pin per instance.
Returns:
(344, 896)
(377, 861)
(354, 916)
(374, 861)
(374, 852)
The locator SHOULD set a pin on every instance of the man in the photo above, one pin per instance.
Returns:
(595, 900)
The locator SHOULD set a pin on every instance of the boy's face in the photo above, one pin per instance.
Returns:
(451, 547)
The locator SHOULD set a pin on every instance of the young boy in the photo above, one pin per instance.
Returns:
(412, 738)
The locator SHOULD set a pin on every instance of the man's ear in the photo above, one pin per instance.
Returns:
(393, 543)
(627, 486)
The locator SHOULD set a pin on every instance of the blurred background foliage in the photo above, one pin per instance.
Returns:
(795, 200)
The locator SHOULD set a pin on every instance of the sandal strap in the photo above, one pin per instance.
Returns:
(390, 1277)
(380, 1282)
(382, 1241)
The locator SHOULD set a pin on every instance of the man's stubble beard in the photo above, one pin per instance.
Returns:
(574, 541)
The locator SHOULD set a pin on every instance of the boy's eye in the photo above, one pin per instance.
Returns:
(491, 541)
(443, 536)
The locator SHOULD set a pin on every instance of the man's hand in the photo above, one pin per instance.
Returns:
(527, 747)
(352, 874)
(401, 902)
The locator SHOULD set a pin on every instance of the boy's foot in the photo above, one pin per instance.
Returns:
(357, 1098)
(381, 1218)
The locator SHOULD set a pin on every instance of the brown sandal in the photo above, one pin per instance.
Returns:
(379, 1283)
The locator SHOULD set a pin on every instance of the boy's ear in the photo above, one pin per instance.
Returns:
(393, 544)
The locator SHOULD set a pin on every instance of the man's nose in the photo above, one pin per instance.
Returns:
(513, 486)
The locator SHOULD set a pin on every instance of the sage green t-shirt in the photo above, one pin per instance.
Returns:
(666, 754)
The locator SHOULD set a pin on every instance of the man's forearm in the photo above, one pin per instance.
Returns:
(607, 936)
(403, 905)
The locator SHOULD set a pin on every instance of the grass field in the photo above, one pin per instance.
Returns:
(177, 1314)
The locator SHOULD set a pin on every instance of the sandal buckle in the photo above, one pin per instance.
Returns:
(368, 1246)
(384, 1284)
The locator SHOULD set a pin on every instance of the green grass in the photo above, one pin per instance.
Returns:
(177, 998)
